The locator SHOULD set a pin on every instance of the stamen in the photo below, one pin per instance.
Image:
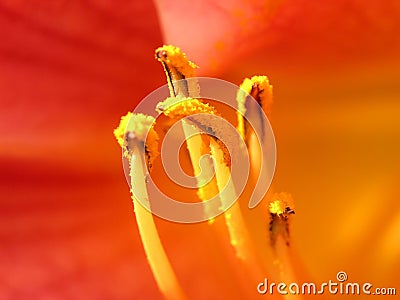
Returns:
(177, 68)
(281, 209)
(134, 144)
(176, 110)
(139, 142)
(239, 235)
(259, 88)
(134, 127)
(197, 149)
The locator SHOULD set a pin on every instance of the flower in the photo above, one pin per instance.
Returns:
(334, 66)
(67, 226)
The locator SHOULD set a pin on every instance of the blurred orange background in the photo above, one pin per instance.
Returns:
(69, 69)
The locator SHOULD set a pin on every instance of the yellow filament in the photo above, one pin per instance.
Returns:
(239, 236)
(197, 149)
(141, 127)
(156, 256)
(177, 108)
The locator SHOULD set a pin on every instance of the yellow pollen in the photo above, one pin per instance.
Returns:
(179, 107)
(142, 127)
(173, 56)
(277, 207)
(282, 204)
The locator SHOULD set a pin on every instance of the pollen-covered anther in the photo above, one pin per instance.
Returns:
(173, 57)
(179, 107)
(253, 100)
(178, 70)
(200, 114)
(259, 88)
(138, 129)
(280, 209)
